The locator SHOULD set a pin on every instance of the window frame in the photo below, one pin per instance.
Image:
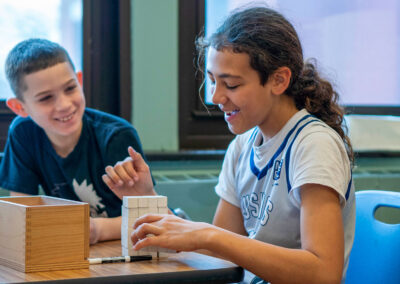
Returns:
(195, 131)
(194, 119)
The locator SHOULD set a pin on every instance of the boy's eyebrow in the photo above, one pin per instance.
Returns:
(225, 75)
(48, 91)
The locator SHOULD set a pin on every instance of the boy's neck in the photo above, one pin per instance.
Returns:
(65, 145)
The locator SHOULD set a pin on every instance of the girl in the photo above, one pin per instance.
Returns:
(286, 212)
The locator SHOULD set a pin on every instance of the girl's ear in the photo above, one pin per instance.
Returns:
(280, 80)
(79, 75)
(16, 106)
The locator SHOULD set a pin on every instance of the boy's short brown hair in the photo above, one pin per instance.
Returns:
(30, 56)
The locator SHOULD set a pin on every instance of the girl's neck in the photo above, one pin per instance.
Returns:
(281, 113)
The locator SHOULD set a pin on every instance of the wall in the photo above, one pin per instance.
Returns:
(155, 73)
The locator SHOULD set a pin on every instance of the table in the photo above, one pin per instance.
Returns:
(176, 268)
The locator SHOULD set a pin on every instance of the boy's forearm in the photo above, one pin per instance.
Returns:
(109, 228)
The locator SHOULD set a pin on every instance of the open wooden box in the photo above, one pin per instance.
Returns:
(42, 233)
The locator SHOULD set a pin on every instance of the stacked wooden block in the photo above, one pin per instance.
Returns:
(134, 207)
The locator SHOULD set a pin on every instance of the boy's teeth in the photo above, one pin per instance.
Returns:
(63, 119)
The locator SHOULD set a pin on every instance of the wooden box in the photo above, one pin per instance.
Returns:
(42, 233)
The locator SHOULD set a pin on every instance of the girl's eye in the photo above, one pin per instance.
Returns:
(231, 87)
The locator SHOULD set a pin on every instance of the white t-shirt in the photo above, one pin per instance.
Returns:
(263, 178)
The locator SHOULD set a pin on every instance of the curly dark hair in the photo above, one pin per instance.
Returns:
(272, 42)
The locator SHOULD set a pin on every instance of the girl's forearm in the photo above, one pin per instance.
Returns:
(272, 263)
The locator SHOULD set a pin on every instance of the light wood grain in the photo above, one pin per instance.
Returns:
(12, 234)
(41, 233)
(179, 266)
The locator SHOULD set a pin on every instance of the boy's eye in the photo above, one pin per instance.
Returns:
(70, 88)
(44, 98)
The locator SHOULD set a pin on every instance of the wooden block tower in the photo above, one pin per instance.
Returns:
(134, 207)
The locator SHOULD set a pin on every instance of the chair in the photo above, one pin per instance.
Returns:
(375, 257)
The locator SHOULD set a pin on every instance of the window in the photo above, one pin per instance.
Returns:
(60, 22)
(356, 44)
(198, 128)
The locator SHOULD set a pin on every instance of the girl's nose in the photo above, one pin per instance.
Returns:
(217, 95)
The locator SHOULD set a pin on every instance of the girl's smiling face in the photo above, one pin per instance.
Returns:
(237, 90)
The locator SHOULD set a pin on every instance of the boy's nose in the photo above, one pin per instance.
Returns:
(63, 102)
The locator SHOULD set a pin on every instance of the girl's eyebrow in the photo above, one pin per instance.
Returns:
(225, 75)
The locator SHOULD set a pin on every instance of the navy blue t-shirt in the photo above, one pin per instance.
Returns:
(30, 161)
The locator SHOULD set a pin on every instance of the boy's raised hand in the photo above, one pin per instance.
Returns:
(130, 176)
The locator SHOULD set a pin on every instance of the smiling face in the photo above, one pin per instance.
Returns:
(237, 90)
(54, 100)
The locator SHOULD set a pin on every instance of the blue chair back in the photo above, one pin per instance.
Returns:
(375, 257)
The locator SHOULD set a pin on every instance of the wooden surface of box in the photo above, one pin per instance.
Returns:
(42, 233)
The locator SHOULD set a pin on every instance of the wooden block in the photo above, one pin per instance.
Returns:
(162, 210)
(152, 201)
(127, 251)
(127, 222)
(129, 212)
(130, 201)
(143, 202)
(143, 211)
(165, 250)
(162, 201)
(42, 233)
(130, 251)
(126, 240)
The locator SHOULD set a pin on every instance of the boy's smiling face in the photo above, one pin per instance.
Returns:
(54, 99)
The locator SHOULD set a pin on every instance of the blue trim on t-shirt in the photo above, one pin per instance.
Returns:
(287, 159)
(349, 186)
(260, 174)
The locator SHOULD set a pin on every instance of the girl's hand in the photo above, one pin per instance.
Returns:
(171, 232)
(130, 176)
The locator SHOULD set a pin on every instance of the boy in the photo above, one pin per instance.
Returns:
(56, 142)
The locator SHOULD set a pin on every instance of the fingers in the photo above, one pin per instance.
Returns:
(148, 218)
(108, 181)
(145, 242)
(140, 164)
(126, 171)
(145, 230)
(122, 173)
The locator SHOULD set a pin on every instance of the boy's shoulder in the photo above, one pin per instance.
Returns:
(102, 119)
(23, 124)
(106, 125)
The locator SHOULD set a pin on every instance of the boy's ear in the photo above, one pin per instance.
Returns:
(79, 75)
(16, 106)
(281, 79)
